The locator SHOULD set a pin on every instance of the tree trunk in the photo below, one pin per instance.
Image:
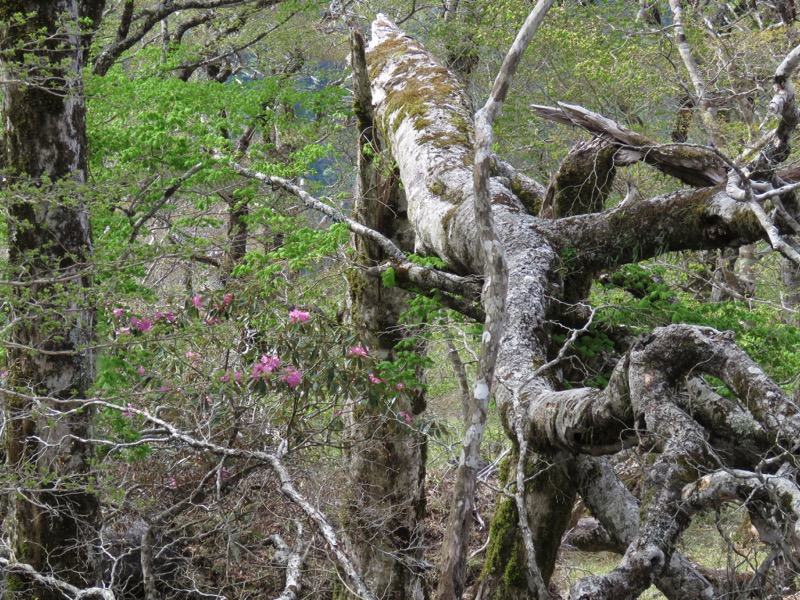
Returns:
(387, 455)
(54, 519)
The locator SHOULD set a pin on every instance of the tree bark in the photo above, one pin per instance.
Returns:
(44, 159)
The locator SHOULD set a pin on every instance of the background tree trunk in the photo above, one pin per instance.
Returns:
(44, 159)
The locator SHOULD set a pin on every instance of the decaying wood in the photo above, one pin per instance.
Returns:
(692, 164)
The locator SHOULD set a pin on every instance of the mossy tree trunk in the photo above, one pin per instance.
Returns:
(44, 161)
(386, 454)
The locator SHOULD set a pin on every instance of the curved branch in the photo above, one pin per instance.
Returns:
(69, 590)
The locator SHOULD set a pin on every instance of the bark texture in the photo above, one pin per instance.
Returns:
(54, 524)
(454, 548)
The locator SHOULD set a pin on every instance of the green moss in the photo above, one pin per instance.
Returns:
(504, 469)
(413, 102)
(437, 187)
(505, 555)
(531, 202)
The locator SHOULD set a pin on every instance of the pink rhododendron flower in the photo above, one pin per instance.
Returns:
(118, 312)
(298, 316)
(266, 366)
(337, 412)
(213, 321)
(358, 351)
(400, 386)
(405, 416)
(271, 362)
(172, 483)
(237, 375)
(123, 331)
(128, 413)
(225, 378)
(142, 325)
(375, 379)
(197, 301)
(192, 355)
(141, 371)
(292, 377)
(227, 299)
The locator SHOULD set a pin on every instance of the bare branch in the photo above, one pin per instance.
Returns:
(149, 18)
(165, 197)
(274, 460)
(690, 63)
(294, 560)
(69, 590)
(334, 214)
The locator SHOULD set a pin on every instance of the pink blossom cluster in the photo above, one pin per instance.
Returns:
(194, 357)
(292, 377)
(405, 416)
(144, 325)
(265, 366)
(361, 351)
(298, 316)
(268, 365)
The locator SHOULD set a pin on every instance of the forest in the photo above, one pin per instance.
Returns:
(386, 299)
